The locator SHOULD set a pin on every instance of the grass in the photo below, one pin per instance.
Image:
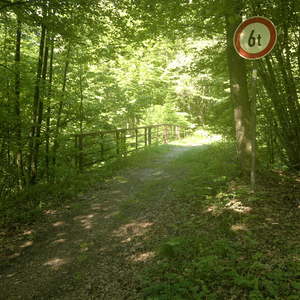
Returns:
(228, 242)
(29, 205)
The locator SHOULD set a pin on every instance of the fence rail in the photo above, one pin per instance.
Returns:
(96, 147)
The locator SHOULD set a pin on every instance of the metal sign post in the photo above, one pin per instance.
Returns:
(253, 127)
(253, 39)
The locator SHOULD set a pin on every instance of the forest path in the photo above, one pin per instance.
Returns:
(97, 246)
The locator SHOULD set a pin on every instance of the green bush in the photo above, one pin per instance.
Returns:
(165, 114)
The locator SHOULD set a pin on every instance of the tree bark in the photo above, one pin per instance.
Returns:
(18, 128)
(81, 100)
(33, 148)
(238, 89)
(48, 113)
(41, 100)
(60, 108)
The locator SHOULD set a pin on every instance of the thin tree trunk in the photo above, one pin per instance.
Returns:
(60, 108)
(33, 149)
(19, 156)
(81, 101)
(6, 128)
(48, 114)
(41, 101)
(298, 54)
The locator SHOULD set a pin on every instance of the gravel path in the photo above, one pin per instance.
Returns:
(97, 247)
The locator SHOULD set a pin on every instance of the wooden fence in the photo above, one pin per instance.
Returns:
(96, 147)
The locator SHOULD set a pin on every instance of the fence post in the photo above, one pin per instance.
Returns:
(76, 151)
(118, 142)
(80, 158)
(102, 146)
(173, 132)
(145, 136)
(178, 132)
(149, 136)
(136, 139)
(124, 146)
(165, 134)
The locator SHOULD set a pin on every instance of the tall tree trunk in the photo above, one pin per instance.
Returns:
(18, 132)
(42, 96)
(60, 108)
(5, 126)
(238, 88)
(48, 113)
(33, 148)
(81, 100)
(298, 53)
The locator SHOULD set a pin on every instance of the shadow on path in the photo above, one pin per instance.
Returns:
(96, 247)
(99, 246)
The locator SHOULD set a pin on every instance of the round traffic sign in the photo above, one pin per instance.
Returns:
(255, 38)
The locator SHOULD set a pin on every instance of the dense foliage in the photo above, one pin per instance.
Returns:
(78, 66)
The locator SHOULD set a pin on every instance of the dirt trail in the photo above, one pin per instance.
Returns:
(97, 247)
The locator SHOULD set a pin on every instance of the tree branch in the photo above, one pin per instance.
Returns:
(7, 68)
(10, 4)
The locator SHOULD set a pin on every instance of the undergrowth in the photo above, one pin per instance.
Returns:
(28, 205)
(228, 243)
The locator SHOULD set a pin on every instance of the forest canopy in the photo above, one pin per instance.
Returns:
(69, 67)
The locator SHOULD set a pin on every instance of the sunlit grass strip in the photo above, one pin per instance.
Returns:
(199, 137)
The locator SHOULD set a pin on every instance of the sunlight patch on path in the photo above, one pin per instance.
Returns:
(26, 244)
(141, 257)
(238, 206)
(239, 227)
(58, 224)
(58, 241)
(56, 263)
(131, 230)
(199, 138)
(86, 220)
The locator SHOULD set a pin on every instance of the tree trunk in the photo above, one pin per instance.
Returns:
(48, 114)
(239, 89)
(81, 100)
(33, 148)
(60, 108)
(41, 100)
(18, 132)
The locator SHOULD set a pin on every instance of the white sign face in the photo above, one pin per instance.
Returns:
(255, 38)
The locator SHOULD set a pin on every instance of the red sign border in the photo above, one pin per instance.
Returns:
(270, 46)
